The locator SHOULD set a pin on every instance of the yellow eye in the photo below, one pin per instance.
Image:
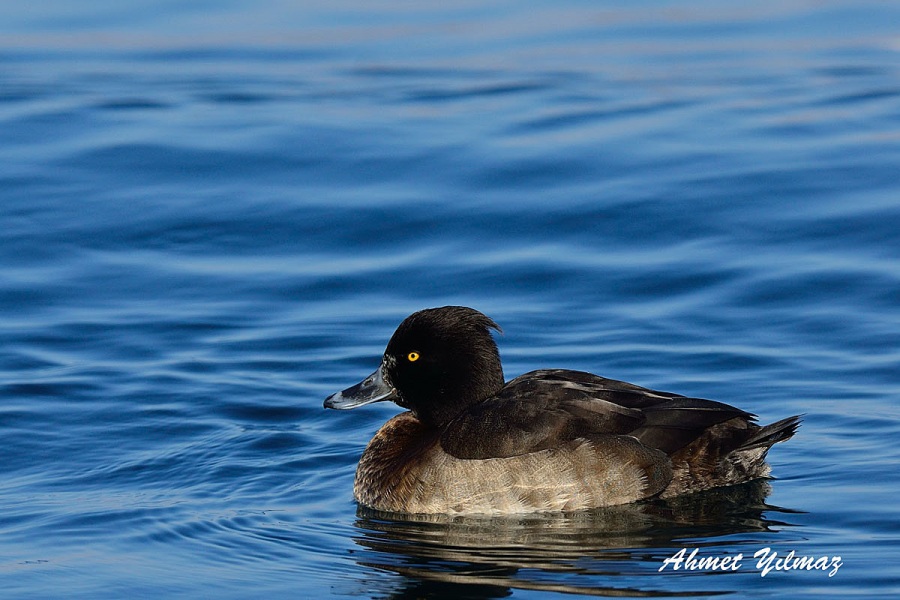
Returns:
(413, 356)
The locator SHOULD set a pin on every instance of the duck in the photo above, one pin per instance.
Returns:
(551, 440)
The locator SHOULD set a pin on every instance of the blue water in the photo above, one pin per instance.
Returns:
(215, 214)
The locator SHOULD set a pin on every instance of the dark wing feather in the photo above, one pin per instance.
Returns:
(673, 424)
(671, 421)
(532, 413)
(542, 409)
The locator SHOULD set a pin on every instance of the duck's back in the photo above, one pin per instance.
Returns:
(545, 408)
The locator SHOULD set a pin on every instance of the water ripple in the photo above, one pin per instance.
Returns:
(212, 219)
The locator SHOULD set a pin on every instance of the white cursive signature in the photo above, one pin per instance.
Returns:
(768, 561)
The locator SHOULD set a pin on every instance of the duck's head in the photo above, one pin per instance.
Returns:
(437, 363)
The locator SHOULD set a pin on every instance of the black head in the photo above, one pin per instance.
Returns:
(437, 363)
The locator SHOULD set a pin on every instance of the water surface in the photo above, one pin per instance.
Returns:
(215, 215)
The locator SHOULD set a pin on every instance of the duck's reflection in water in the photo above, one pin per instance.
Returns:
(615, 551)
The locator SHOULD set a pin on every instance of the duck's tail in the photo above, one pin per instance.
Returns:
(725, 454)
(768, 435)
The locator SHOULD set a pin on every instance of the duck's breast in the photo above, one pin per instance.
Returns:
(405, 470)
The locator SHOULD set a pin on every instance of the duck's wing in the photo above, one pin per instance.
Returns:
(543, 409)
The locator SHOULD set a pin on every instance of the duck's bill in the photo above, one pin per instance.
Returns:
(369, 390)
